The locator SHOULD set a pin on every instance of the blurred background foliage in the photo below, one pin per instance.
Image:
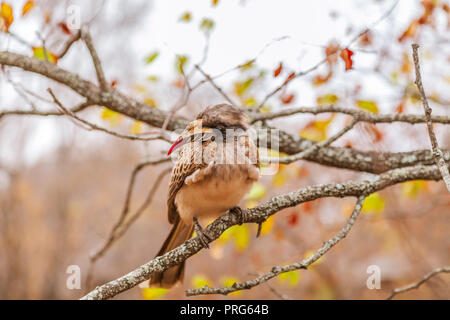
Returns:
(62, 188)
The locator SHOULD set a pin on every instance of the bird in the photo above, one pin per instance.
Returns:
(216, 166)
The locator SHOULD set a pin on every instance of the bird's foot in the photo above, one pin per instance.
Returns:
(202, 236)
(239, 213)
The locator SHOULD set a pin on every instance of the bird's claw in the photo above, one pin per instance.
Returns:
(202, 236)
(239, 214)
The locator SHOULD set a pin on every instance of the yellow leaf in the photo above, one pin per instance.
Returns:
(257, 192)
(27, 7)
(153, 293)
(136, 128)
(327, 99)
(151, 57)
(373, 204)
(6, 16)
(200, 280)
(241, 237)
(111, 116)
(152, 78)
(240, 87)
(228, 282)
(411, 189)
(206, 25)
(250, 102)
(370, 106)
(316, 130)
(279, 179)
(290, 277)
(186, 17)
(150, 102)
(267, 226)
(41, 54)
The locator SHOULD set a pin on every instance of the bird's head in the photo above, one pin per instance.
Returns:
(210, 122)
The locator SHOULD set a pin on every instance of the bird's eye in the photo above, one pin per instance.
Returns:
(213, 138)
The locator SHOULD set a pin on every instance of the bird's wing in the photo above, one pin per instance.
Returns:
(182, 169)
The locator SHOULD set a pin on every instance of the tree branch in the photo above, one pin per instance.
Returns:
(437, 153)
(348, 158)
(416, 285)
(296, 266)
(257, 215)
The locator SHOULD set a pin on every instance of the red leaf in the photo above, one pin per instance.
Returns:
(289, 78)
(277, 71)
(65, 28)
(346, 55)
(287, 98)
(293, 219)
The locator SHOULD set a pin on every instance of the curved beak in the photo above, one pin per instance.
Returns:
(178, 143)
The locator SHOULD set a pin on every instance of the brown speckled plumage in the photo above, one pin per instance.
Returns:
(207, 188)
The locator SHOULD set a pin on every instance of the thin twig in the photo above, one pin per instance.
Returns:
(277, 270)
(416, 285)
(69, 44)
(437, 153)
(92, 126)
(313, 148)
(95, 59)
(122, 224)
(219, 89)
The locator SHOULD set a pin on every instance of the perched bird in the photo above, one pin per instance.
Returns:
(216, 166)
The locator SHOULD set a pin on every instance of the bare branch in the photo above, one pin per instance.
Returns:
(219, 89)
(122, 224)
(277, 270)
(95, 59)
(76, 109)
(416, 285)
(437, 153)
(92, 126)
(69, 43)
(349, 158)
(256, 215)
(312, 149)
(361, 115)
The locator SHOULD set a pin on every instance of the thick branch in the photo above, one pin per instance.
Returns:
(258, 214)
(348, 158)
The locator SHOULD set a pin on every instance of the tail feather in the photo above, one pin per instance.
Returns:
(178, 235)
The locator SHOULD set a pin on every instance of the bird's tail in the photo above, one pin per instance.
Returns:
(178, 235)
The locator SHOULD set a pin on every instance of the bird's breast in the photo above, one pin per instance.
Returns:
(211, 191)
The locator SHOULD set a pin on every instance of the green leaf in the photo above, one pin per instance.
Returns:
(180, 62)
(370, 106)
(151, 57)
(206, 25)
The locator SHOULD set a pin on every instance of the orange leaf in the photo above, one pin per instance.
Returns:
(410, 31)
(27, 7)
(277, 71)
(346, 55)
(6, 17)
(65, 28)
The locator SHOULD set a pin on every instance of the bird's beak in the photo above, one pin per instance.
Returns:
(178, 143)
